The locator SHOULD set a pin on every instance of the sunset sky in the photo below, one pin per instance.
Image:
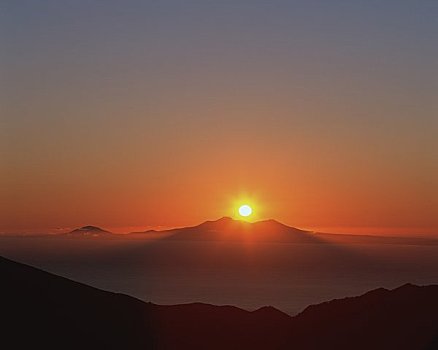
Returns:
(134, 114)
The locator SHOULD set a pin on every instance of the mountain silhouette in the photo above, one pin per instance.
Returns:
(89, 231)
(402, 318)
(228, 229)
(42, 310)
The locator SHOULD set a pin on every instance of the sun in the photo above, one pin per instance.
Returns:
(245, 210)
(245, 207)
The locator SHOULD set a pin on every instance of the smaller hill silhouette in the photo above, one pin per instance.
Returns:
(89, 231)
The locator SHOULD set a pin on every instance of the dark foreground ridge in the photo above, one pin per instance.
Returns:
(41, 310)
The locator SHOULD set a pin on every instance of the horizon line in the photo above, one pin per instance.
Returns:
(329, 229)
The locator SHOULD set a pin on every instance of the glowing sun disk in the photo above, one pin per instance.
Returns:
(245, 210)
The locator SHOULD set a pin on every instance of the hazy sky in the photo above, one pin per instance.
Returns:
(324, 114)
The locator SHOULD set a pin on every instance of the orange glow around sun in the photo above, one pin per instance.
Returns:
(245, 207)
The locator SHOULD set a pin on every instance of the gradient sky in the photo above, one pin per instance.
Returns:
(130, 114)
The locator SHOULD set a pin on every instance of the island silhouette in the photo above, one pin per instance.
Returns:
(269, 230)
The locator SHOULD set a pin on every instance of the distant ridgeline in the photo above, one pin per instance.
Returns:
(42, 311)
(228, 229)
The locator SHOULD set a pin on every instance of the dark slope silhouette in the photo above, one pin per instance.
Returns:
(41, 310)
(402, 318)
